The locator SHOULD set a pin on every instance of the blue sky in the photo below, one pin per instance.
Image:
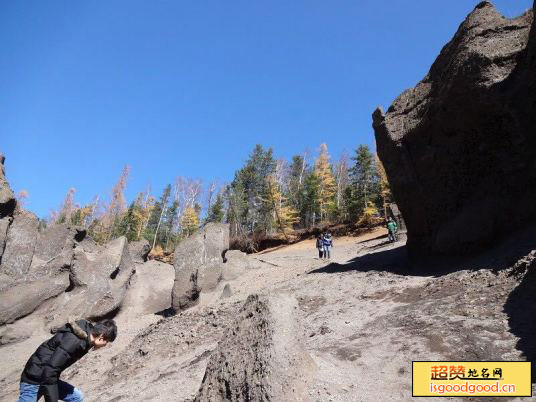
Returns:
(176, 88)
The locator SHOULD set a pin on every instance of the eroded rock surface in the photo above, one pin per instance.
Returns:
(459, 147)
(139, 250)
(260, 356)
(199, 264)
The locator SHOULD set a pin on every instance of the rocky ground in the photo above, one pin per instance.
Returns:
(358, 321)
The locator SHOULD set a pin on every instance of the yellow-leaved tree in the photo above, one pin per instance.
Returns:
(370, 216)
(327, 186)
(189, 221)
(284, 214)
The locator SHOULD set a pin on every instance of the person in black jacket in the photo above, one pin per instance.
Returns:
(70, 343)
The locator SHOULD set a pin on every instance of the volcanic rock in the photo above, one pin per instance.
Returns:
(198, 264)
(260, 356)
(139, 250)
(20, 244)
(458, 148)
(7, 198)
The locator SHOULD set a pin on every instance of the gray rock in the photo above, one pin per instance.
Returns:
(139, 250)
(20, 244)
(198, 264)
(23, 298)
(260, 357)
(458, 148)
(4, 225)
(7, 198)
(227, 292)
(98, 284)
(236, 263)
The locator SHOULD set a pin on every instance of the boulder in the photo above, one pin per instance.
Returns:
(260, 357)
(47, 276)
(236, 263)
(99, 282)
(139, 250)
(23, 298)
(7, 198)
(227, 292)
(20, 244)
(458, 149)
(198, 264)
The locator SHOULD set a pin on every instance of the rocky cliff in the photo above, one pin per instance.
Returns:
(459, 147)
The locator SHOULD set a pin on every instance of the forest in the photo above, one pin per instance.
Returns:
(268, 197)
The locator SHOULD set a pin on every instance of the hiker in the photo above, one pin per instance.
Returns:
(320, 245)
(328, 243)
(70, 343)
(392, 228)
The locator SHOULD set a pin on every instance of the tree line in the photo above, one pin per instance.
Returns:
(268, 196)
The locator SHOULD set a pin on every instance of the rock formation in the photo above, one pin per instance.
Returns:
(199, 264)
(7, 206)
(56, 273)
(139, 250)
(459, 147)
(260, 356)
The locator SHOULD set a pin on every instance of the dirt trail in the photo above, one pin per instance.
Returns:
(365, 316)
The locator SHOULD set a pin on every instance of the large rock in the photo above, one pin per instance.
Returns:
(260, 356)
(139, 250)
(99, 283)
(199, 263)
(459, 147)
(20, 244)
(236, 263)
(7, 198)
(4, 225)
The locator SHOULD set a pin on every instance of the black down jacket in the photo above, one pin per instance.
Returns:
(68, 345)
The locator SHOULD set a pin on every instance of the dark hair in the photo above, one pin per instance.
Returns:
(106, 328)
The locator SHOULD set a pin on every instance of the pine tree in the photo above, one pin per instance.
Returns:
(311, 200)
(326, 183)
(364, 182)
(216, 212)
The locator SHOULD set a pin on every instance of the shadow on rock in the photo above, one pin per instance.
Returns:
(521, 309)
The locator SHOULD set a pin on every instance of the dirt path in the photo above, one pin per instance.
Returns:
(365, 315)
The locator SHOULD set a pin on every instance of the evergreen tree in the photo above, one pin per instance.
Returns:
(364, 182)
(310, 210)
(247, 211)
(216, 212)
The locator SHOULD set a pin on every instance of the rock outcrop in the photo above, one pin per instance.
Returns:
(199, 264)
(7, 198)
(139, 250)
(260, 356)
(459, 147)
(56, 273)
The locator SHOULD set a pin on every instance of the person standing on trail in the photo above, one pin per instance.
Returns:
(392, 228)
(328, 243)
(320, 245)
(70, 343)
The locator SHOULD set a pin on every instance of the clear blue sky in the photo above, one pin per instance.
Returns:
(188, 88)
